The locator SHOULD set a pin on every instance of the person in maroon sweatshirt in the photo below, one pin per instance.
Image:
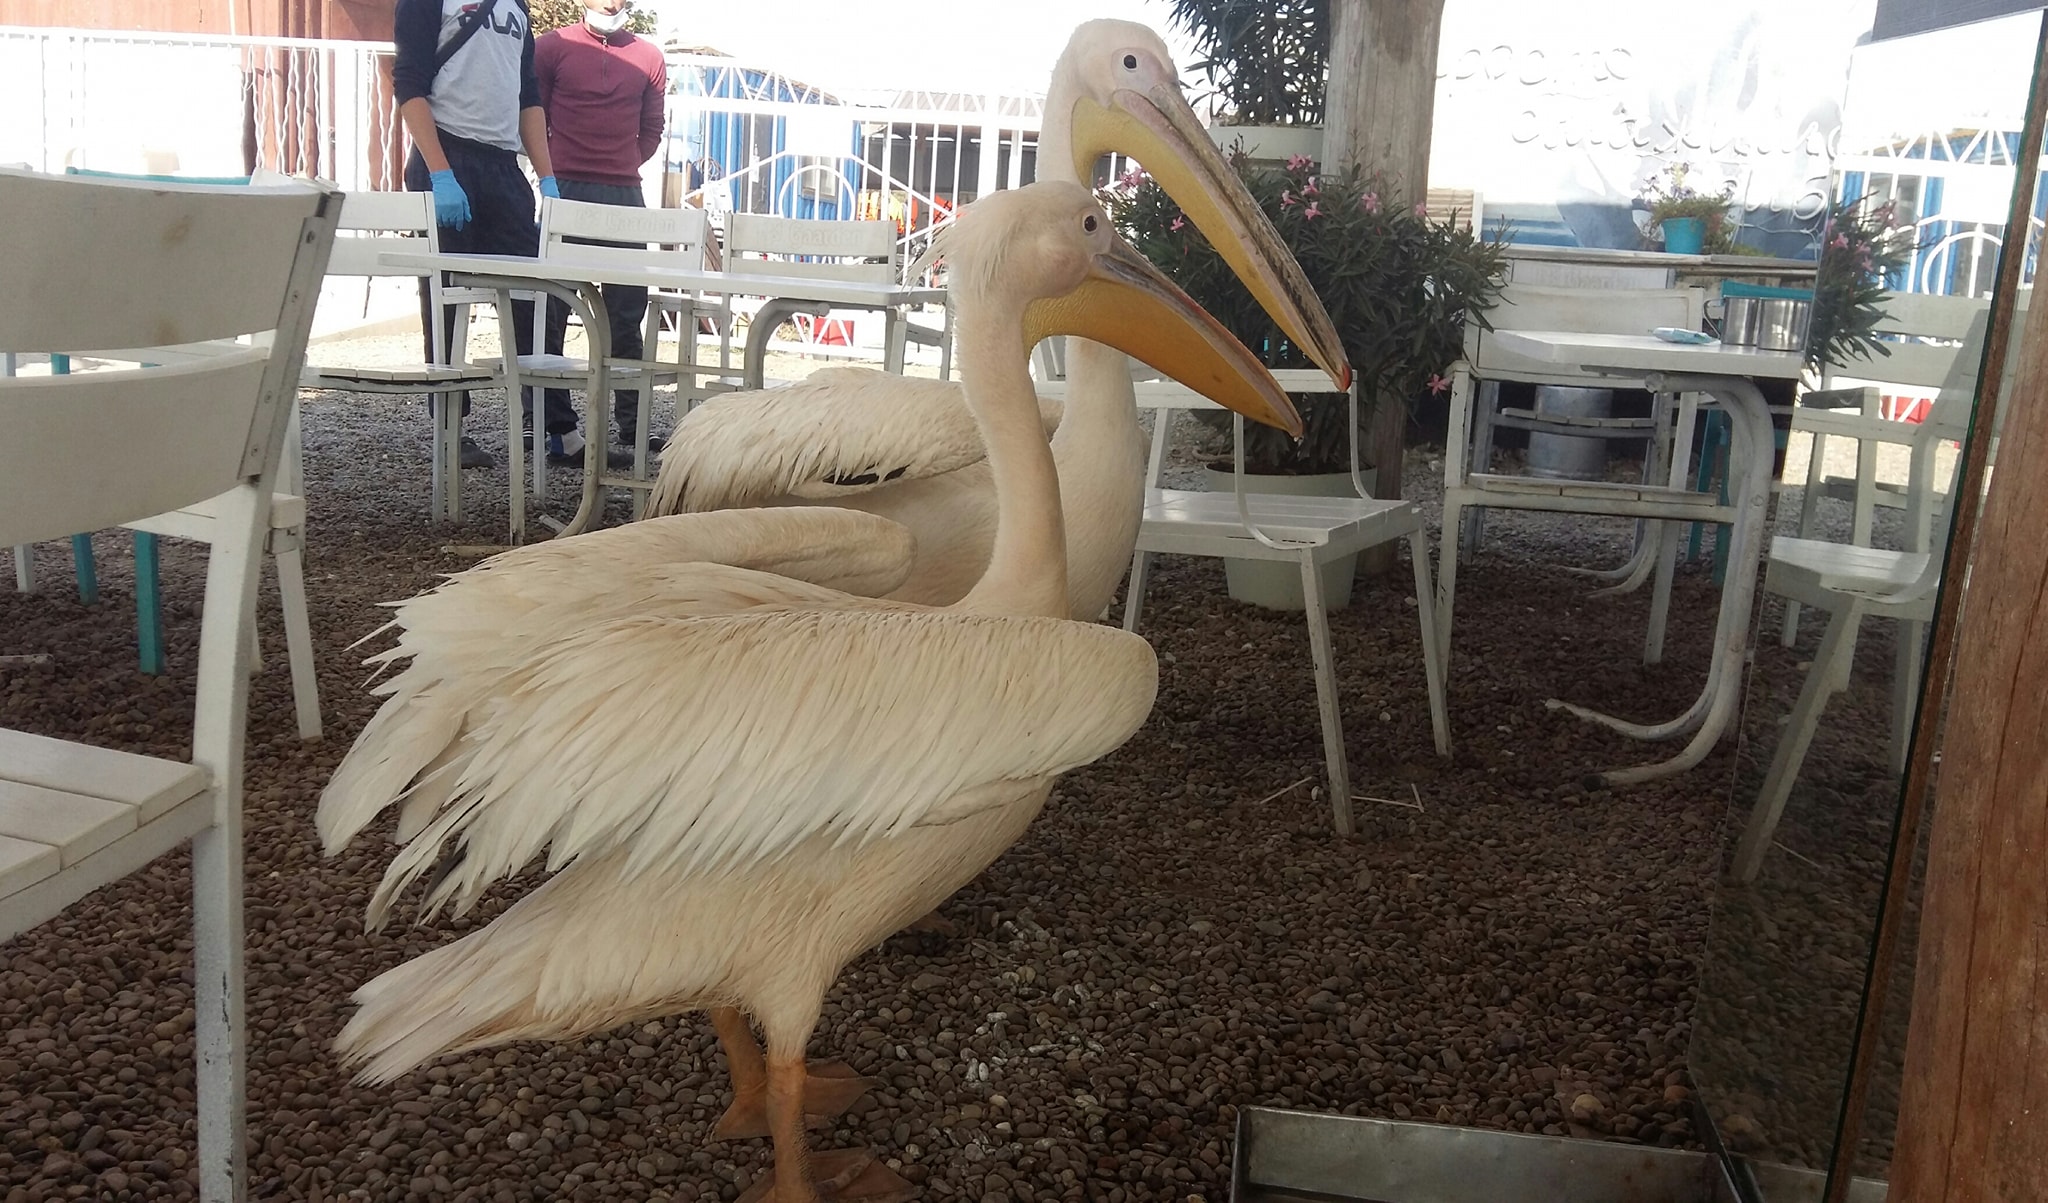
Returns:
(603, 89)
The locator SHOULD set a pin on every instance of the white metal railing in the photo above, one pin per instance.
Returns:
(198, 105)
(742, 137)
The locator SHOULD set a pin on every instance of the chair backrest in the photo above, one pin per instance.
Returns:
(1459, 206)
(1582, 310)
(1936, 345)
(673, 237)
(800, 248)
(1166, 398)
(94, 264)
(375, 222)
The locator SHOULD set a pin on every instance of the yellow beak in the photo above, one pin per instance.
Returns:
(1158, 129)
(1128, 304)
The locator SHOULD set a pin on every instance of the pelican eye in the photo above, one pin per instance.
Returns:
(1088, 223)
(1130, 62)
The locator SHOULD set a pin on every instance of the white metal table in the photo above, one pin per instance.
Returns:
(577, 279)
(1729, 376)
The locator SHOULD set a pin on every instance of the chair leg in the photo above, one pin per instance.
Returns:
(83, 568)
(1326, 694)
(1446, 587)
(1432, 652)
(298, 629)
(222, 1038)
(1134, 592)
(149, 605)
(1666, 536)
(1907, 658)
(1793, 742)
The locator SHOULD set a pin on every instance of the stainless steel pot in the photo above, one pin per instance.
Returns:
(1781, 324)
(1739, 321)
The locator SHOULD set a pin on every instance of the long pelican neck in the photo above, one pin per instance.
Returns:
(1055, 157)
(1027, 568)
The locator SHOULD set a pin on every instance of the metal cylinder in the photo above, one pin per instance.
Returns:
(1781, 324)
(1568, 456)
(1739, 321)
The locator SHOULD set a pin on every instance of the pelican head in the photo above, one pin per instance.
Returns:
(1115, 89)
(1051, 249)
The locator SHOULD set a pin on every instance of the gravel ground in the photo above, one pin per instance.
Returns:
(1177, 936)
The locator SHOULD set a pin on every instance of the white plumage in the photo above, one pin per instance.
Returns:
(907, 450)
(741, 780)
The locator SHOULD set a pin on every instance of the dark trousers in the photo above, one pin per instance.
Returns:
(624, 304)
(500, 223)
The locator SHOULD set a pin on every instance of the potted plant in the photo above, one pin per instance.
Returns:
(1688, 220)
(1397, 285)
(1265, 67)
(1860, 247)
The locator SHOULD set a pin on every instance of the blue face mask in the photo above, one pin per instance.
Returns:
(605, 23)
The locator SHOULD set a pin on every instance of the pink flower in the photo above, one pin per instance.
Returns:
(1132, 178)
(1438, 384)
(1297, 162)
(1421, 210)
(1178, 222)
(1313, 211)
(1310, 189)
(1370, 202)
(1840, 242)
(1287, 200)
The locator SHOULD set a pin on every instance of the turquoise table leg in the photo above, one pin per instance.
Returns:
(81, 564)
(1710, 445)
(1723, 534)
(149, 612)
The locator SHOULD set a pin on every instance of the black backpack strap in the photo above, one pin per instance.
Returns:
(465, 29)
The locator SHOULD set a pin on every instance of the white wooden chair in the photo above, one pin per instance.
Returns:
(757, 244)
(93, 264)
(373, 223)
(1852, 583)
(655, 237)
(1470, 485)
(1940, 339)
(1311, 531)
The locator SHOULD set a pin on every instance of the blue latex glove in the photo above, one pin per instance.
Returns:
(548, 187)
(451, 203)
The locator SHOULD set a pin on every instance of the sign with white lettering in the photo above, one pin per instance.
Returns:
(1561, 117)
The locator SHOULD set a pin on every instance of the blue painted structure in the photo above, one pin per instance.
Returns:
(720, 146)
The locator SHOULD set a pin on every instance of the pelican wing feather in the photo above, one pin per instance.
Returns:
(728, 737)
(839, 432)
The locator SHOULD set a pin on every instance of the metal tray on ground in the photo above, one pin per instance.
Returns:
(1311, 1157)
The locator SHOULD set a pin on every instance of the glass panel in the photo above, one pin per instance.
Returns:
(1831, 691)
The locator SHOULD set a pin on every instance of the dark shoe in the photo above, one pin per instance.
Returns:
(655, 444)
(474, 456)
(565, 448)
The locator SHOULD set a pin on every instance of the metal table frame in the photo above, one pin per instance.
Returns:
(577, 283)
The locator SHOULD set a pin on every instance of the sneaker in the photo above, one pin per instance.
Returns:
(567, 449)
(655, 443)
(474, 456)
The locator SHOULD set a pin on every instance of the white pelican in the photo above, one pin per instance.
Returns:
(810, 769)
(906, 448)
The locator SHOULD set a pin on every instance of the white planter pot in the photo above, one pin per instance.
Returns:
(1276, 584)
(1270, 143)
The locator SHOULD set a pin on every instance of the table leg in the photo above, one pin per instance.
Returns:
(515, 447)
(597, 333)
(767, 318)
(1750, 420)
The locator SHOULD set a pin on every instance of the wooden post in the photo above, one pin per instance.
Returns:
(1377, 113)
(1973, 1121)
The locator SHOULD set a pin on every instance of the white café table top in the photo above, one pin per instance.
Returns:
(1641, 353)
(568, 267)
